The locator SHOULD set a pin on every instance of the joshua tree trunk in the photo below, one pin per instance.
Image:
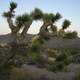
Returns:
(54, 30)
(10, 23)
(43, 32)
(13, 28)
(26, 27)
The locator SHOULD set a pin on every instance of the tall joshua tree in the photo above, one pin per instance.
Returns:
(28, 19)
(24, 20)
(43, 30)
(37, 14)
(9, 15)
(49, 20)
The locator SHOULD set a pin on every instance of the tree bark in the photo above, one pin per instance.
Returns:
(54, 30)
(26, 27)
(43, 32)
(14, 29)
(11, 26)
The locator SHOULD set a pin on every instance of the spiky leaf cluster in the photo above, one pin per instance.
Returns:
(66, 24)
(37, 14)
(11, 11)
(20, 20)
(13, 5)
(51, 17)
(57, 17)
(8, 14)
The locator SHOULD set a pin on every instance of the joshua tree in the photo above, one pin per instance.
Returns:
(55, 19)
(66, 24)
(25, 21)
(9, 15)
(49, 20)
(37, 14)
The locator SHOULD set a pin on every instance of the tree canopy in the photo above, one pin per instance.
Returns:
(25, 20)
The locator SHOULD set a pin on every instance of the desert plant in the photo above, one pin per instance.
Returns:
(71, 35)
(66, 24)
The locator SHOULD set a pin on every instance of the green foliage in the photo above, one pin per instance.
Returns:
(34, 51)
(71, 35)
(48, 17)
(57, 17)
(61, 57)
(13, 5)
(21, 20)
(74, 52)
(36, 43)
(26, 17)
(34, 47)
(62, 60)
(37, 14)
(8, 14)
(61, 33)
(51, 17)
(56, 66)
(35, 57)
(66, 24)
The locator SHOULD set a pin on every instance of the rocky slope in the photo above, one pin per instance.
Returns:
(53, 42)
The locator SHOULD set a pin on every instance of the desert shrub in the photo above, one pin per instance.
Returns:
(61, 57)
(76, 59)
(62, 60)
(61, 33)
(35, 58)
(56, 66)
(74, 51)
(36, 43)
(34, 54)
(71, 34)
(37, 39)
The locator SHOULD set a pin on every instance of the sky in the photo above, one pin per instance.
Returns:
(69, 9)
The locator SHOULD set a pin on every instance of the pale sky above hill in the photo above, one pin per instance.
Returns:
(68, 8)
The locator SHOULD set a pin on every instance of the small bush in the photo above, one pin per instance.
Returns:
(36, 43)
(71, 35)
(56, 66)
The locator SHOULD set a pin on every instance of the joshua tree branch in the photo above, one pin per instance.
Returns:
(26, 27)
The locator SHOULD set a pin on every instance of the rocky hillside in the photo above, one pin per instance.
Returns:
(53, 42)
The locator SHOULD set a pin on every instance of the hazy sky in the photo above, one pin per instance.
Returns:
(68, 8)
